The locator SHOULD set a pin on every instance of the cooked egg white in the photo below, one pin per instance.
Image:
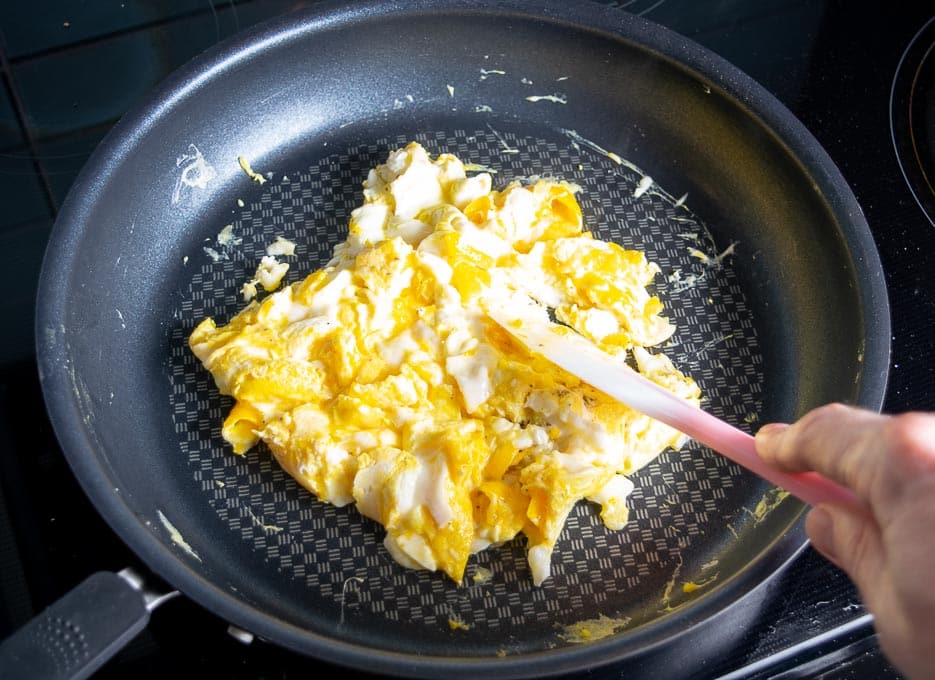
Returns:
(380, 381)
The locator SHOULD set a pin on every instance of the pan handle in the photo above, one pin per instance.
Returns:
(76, 635)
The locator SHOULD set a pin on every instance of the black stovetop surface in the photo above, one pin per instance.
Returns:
(71, 69)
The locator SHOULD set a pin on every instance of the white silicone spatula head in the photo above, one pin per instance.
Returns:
(580, 357)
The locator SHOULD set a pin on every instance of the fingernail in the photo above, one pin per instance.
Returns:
(764, 439)
(820, 529)
(771, 429)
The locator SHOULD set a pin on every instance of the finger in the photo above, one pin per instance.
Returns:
(852, 540)
(843, 443)
(878, 457)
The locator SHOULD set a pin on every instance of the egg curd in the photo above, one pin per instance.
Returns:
(380, 381)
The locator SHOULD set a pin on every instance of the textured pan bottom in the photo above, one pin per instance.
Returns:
(686, 505)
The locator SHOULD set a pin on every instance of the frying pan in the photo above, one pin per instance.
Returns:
(768, 271)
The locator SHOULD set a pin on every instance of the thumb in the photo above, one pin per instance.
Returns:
(851, 539)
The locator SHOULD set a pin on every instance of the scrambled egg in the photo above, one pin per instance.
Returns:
(379, 380)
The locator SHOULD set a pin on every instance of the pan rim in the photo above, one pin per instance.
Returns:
(95, 477)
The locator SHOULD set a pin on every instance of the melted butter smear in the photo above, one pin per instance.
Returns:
(592, 630)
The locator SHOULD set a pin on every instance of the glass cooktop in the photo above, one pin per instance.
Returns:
(859, 78)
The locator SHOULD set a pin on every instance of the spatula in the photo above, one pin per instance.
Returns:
(580, 357)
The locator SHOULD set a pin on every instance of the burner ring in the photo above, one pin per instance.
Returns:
(912, 117)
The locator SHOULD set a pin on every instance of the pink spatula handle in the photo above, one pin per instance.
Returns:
(726, 439)
(581, 358)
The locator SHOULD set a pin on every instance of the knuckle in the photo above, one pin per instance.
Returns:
(823, 417)
(910, 438)
(833, 411)
(816, 425)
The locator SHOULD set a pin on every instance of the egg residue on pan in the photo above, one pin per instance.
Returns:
(380, 381)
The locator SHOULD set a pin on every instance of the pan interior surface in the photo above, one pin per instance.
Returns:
(758, 275)
(634, 576)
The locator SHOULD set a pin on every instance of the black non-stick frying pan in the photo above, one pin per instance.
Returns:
(768, 271)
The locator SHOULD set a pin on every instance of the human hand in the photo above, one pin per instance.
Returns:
(887, 547)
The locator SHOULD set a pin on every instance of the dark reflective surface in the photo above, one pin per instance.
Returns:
(69, 72)
(912, 118)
